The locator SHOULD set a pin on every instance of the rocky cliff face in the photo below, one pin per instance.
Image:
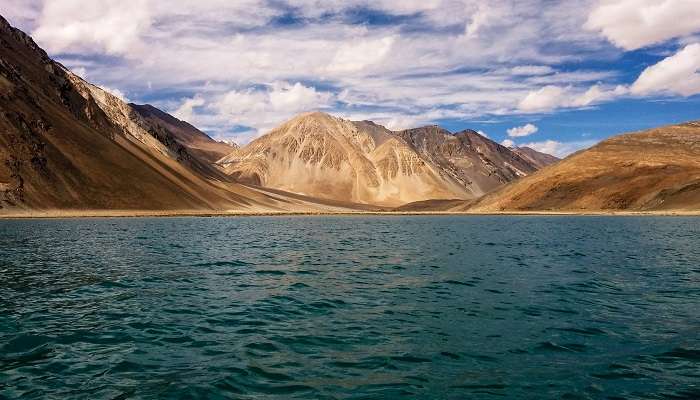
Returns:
(320, 155)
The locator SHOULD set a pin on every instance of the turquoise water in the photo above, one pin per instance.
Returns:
(351, 308)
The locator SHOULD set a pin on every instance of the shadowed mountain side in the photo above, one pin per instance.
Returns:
(197, 142)
(68, 145)
(477, 163)
(657, 169)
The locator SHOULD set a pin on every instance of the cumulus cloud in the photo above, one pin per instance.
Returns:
(257, 108)
(677, 74)
(186, 110)
(521, 131)
(221, 63)
(352, 57)
(544, 99)
(508, 143)
(632, 24)
(559, 149)
(552, 97)
(597, 93)
(98, 25)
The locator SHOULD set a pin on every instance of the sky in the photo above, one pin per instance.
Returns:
(557, 76)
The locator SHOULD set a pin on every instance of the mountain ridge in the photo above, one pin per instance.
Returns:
(652, 170)
(67, 144)
(372, 164)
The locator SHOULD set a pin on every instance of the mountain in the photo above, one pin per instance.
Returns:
(535, 157)
(327, 157)
(477, 163)
(197, 142)
(657, 169)
(68, 145)
(322, 156)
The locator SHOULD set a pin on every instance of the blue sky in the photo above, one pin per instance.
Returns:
(556, 75)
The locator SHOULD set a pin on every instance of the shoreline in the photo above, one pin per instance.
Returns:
(74, 214)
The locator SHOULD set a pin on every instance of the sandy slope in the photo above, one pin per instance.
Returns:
(658, 169)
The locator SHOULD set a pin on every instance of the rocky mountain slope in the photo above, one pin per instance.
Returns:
(322, 156)
(477, 163)
(197, 142)
(657, 169)
(535, 157)
(66, 144)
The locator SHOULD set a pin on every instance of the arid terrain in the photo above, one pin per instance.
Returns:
(327, 157)
(69, 148)
(654, 170)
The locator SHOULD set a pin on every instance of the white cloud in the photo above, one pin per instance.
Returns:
(21, 13)
(552, 97)
(545, 99)
(186, 110)
(352, 57)
(559, 149)
(93, 26)
(482, 133)
(532, 70)
(258, 108)
(297, 97)
(522, 131)
(80, 71)
(485, 15)
(468, 59)
(596, 94)
(508, 143)
(632, 24)
(677, 74)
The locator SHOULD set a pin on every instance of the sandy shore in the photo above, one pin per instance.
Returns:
(247, 213)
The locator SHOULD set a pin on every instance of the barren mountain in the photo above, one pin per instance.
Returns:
(66, 144)
(319, 155)
(477, 163)
(323, 156)
(658, 169)
(535, 157)
(197, 142)
(69, 145)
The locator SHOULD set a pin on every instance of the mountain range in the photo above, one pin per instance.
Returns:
(362, 162)
(66, 144)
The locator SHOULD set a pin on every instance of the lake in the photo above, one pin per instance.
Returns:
(350, 307)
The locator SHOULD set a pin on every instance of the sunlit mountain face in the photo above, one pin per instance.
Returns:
(572, 72)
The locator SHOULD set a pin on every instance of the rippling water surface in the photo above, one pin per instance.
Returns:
(351, 308)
